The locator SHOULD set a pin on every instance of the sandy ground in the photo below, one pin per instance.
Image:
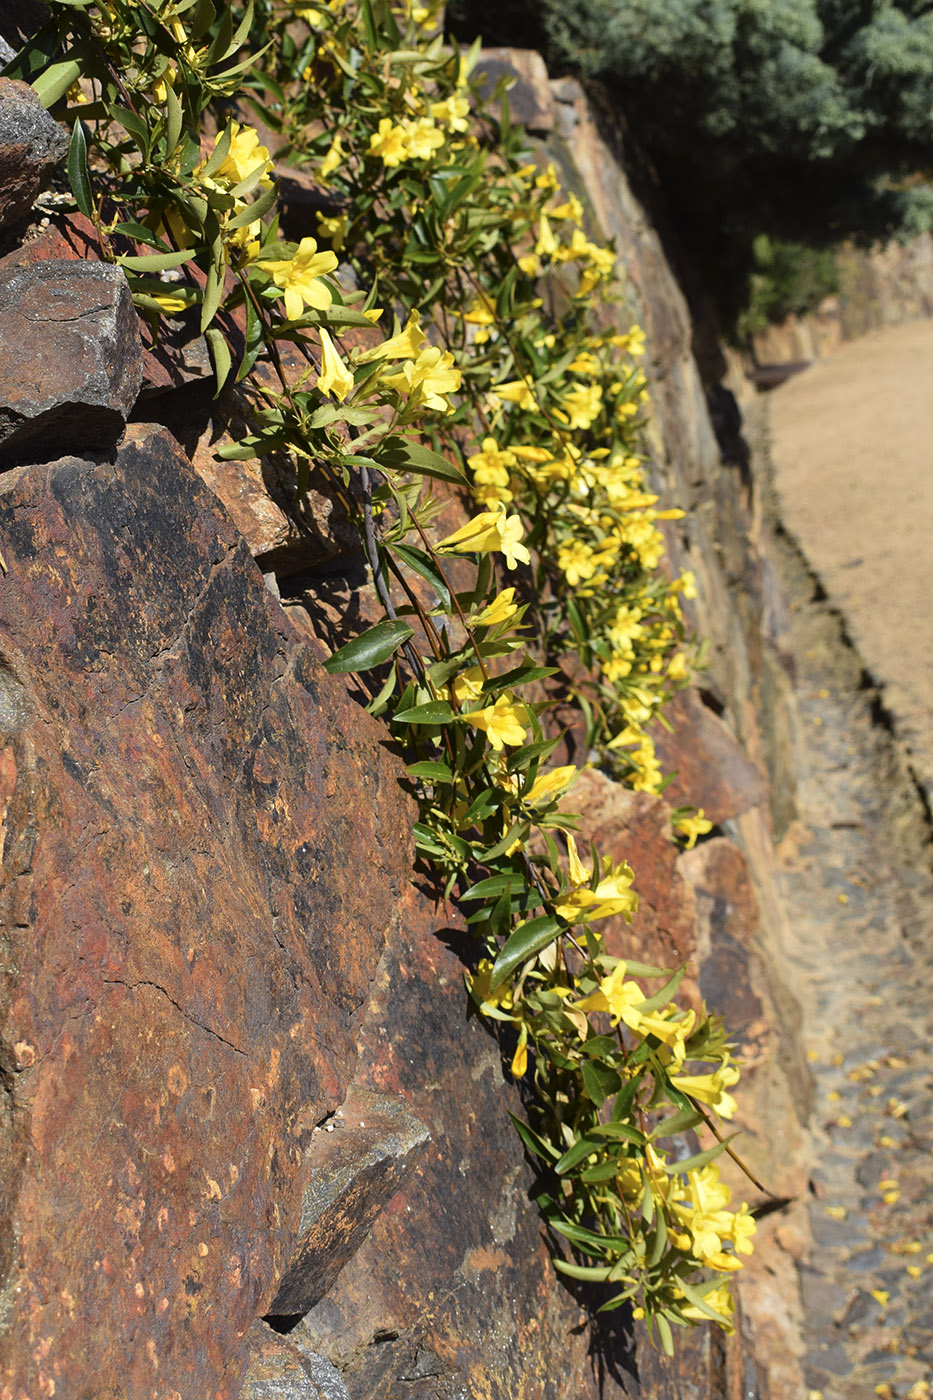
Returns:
(852, 444)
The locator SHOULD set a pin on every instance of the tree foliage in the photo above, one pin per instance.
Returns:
(804, 120)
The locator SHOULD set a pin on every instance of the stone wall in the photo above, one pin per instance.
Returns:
(239, 1077)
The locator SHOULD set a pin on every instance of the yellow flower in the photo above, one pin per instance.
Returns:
(583, 405)
(694, 826)
(334, 158)
(404, 346)
(504, 722)
(720, 1300)
(501, 609)
(427, 381)
(520, 1058)
(452, 112)
(546, 245)
(575, 561)
(546, 786)
(711, 1088)
(491, 532)
(422, 138)
(334, 230)
(389, 142)
(245, 156)
(466, 687)
(479, 984)
(299, 278)
(513, 391)
(334, 377)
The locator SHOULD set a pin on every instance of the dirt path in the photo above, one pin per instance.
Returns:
(852, 445)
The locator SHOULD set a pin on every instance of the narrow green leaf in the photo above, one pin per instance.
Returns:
(370, 648)
(493, 887)
(175, 120)
(527, 940)
(430, 771)
(220, 356)
(78, 176)
(155, 262)
(699, 1160)
(401, 454)
(421, 563)
(432, 712)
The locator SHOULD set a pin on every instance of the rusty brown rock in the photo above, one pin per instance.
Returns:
(636, 826)
(354, 1165)
(453, 1294)
(32, 145)
(204, 842)
(712, 770)
(70, 358)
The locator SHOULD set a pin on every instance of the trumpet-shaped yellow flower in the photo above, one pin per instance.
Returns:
(389, 142)
(427, 381)
(501, 609)
(711, 1088)
(491, 532)
(697, 825)
(244, 157)
(299, 278)
(404, 346)
(546, 786)
(334, 377)
(504, 722)
(334, 158)
(515, 391)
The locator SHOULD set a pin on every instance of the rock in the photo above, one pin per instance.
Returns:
(204, 845)
(70, 358)
(276, 1369)
(530, 99)
(636, 826)
(453, 1293)
(351, 1169)
(727, 927)
(32, 145)
(712, 770)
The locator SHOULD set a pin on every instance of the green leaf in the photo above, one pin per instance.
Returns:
(662, 997)
(155, 262)
(700, 1159)
(254, 211)
(422, 564)
(401, 454)
(591, 1272)
(493, 887)
(370, 648)
(213, 294)
(430, 771)
(664, 1332)
(616, 1129)
(680, 1122)
(433, 712)
(174, 122)
(538, 1146)
(220, 356)
(527, 940)
(55, 81)
(78, 176)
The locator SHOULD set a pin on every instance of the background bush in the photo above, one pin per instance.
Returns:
(802, 120)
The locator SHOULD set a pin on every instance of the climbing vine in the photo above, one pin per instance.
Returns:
(447, 318)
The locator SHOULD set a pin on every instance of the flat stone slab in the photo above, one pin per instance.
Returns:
(203, 844)
(353, 1166)
(70, 358)
(32, 145)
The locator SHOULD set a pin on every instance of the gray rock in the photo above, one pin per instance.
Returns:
(324, 1373)
(352, 1168)
(32, 145)
(276, 1369)
(71, 359)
